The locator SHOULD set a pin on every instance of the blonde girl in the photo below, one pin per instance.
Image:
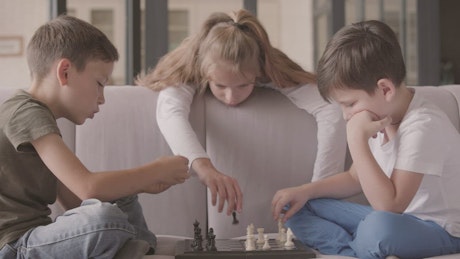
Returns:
(231, 55)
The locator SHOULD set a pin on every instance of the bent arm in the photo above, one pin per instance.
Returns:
(66, 198)
(392, 194)
(338, 186)
(331, 134)
(173, 109)
(105, 186)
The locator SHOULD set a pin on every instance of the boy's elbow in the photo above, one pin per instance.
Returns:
(89, 191)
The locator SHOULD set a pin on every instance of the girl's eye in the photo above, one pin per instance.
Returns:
(100, 84)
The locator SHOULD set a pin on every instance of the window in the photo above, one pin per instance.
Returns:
(178, 27)
(103, 20)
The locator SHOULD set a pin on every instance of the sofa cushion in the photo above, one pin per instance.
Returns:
(266, 143)
(124, 134)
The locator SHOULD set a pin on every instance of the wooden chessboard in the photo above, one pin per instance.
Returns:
(235, 249)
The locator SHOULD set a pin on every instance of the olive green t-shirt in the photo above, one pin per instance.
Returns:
(27, 186)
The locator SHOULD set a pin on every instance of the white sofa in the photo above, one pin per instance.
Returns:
(266, 143)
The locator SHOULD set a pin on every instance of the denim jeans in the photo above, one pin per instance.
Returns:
(93, 230)
(344, 228)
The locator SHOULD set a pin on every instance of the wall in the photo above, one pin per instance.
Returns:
(19, 18)
(288, 23)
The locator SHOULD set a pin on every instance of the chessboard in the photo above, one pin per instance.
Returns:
(235, 249)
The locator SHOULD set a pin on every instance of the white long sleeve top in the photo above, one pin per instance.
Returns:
(173, 109)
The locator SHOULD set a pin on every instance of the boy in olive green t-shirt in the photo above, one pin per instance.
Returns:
(70, 62)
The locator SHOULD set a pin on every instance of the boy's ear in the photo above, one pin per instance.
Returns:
(387, 87)
(63, 68)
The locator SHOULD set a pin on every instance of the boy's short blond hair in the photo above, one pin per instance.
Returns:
(358, 56)
(67, 37)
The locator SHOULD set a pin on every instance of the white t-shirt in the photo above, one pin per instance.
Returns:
(426, 143)
(173, 110)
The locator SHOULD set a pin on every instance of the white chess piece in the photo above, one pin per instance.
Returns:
(283, 236)
(260, 236)
(266, 244)
(251, 229)
(280, 226)
(289, 236)
(250, 243)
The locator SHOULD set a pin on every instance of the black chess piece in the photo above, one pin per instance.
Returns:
(235, 220)
(211, 246)
(197, 243)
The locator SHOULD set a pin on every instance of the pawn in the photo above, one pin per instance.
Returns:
(289, 235)
(266, 244)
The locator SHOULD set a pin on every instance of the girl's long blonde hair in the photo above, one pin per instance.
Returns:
(239, 39)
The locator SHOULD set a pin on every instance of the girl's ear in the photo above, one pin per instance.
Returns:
(387, 87)
(63, 68)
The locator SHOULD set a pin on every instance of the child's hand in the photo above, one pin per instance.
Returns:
(295, 197)
(173, 170)
(364, 125)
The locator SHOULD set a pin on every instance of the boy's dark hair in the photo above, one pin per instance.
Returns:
(358, 56)
(67, 37)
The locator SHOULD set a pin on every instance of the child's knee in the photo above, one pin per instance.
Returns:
(95, 212)
(375, 234)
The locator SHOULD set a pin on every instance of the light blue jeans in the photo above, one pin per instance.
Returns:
(93, 230)
(344, 228)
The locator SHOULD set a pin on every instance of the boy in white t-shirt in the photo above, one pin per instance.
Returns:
(405, 159)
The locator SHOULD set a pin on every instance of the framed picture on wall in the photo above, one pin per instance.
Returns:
(11, 46)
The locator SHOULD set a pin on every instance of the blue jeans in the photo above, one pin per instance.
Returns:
(350, 229)
(93, 230)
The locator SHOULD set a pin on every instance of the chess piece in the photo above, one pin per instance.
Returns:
(260, 236)
(235, 220)
(197, 243)
(289, 235)
(250, 243)
(266, 244)
(283, 236)
(280, 226)
(250, 229)
(211, 238)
